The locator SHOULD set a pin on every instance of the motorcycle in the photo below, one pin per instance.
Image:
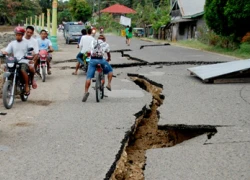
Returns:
(86, 59)
(14, 83)
(42, 65)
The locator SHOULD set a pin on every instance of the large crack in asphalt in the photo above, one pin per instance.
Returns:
(130, 161)
(141, 62)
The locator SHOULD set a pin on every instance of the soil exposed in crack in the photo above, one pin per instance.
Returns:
(146, 134)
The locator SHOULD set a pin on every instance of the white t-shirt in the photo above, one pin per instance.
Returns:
(34, 43)
(85, 43)
(18, 49)
(104, 47)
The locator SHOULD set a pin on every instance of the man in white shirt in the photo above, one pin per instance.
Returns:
(98, 49)
(19, 48)
(28, 37)
(85, 46)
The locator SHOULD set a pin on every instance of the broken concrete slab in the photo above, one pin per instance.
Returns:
(211, 162)
(176, 54)
(191, 102)
(235, 134)
(220, 70)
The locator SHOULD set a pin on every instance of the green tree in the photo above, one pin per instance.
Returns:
(64, 15)
(141, 18)
(161, 16)
(80, 10)
(16, 11)
(228, 17)
(45, 4)
(63, 11)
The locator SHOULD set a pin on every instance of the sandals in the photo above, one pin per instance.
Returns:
(34, 85)
(26, 93)
(85, 97)
(73, 73)
(109, 88)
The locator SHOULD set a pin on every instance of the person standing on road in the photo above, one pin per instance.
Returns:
(85, 46)
(126, 31)
(129, 35)
(98, 49)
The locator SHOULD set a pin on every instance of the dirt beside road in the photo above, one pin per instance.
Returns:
(6, 35)
(6, 28)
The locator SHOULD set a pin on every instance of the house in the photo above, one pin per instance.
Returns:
(186, 18)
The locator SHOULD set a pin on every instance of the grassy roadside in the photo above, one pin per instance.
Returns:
(243, 53)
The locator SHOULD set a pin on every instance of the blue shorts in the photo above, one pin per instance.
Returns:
(92, 67)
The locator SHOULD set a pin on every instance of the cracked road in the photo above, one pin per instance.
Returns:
(56, 136)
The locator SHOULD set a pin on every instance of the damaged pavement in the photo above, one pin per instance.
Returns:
(158, 122)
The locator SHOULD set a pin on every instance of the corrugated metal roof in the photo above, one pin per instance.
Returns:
(191, 7)
(179, 19)
(119, 9)
(215, 70)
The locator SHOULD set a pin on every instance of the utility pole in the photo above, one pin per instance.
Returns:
(42, 20)
(36, 22)
(53, 36)
(48, 20)
(31, 20)
(93, 9)
(99, 11)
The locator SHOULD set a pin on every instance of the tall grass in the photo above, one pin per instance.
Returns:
(242, 52)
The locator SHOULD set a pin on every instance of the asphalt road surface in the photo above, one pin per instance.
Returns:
(54, 135)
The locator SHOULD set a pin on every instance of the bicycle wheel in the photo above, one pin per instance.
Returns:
(97, 86)
(102, 86)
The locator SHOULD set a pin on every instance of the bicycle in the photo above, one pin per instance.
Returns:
(99, 83)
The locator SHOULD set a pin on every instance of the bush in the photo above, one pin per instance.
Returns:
(244, 48)
(210, 38)
(246, 38)
(228, 17)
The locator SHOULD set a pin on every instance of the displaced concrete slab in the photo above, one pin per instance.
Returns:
(217, 70)
(188, 101)
(210, 162)
(234, 134)
(176, 54)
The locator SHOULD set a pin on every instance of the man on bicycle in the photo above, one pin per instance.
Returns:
(19, 48)
(98, 49)
(85, 45)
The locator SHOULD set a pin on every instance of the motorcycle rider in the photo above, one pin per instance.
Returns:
(28, 36)
(85, 45)
(101, 30)
(19, 48)
(45, 44)
(97, 57)
(93, 31)
(79, 56)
